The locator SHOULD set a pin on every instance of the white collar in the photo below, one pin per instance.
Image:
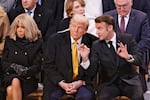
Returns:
(32, 10)
(113, 39)
(79, 40)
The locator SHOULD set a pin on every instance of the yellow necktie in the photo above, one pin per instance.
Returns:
(75, 60)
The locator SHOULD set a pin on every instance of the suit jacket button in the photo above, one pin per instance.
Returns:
(25, 53)
(16, 52)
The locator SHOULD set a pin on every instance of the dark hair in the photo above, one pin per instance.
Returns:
(109, 20)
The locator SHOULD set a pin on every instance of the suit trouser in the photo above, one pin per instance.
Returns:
(82, 94)
(109, 92)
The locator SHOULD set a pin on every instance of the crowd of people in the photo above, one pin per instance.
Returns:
(72, 42)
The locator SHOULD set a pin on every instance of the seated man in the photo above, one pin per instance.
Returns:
(114, 57)
(65, 66)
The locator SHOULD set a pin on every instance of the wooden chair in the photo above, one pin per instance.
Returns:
(67, 97)
(122, 98)
(37, 95)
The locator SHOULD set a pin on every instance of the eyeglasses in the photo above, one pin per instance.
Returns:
(122, 6)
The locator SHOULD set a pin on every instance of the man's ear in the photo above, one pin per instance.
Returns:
(110, 27)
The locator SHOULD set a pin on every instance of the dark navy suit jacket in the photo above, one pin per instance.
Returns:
(137, 26)
(142, 5)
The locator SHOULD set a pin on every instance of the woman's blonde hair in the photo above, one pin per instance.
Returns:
(69, 6)
(32, 33)
(4, 23)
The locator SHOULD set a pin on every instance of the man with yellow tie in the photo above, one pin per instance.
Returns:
(66, 62)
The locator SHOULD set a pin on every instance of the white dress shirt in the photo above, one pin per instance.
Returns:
(113, 39)
(86, 64)
(32, 11)
(126, 18)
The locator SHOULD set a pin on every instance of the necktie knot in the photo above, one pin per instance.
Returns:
(75, 42)
(29, 12)
(110, 43)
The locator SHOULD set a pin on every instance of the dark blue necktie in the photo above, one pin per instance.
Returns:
(29, 12)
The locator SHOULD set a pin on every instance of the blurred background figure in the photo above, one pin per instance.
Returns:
(41, 17)
(21, 59)
(72, 7)
(142, 5)
(7, 4)
(4, 28)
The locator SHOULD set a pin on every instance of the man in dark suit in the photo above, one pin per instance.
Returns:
(142, 5)
(59, 70)
(108, 5)
(114, 57)
(45, 18)
(56, 9)
(136, 24)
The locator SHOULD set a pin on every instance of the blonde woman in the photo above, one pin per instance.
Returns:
(21, 58)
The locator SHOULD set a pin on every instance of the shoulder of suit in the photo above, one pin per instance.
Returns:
(124, 37)
(96, 42)
(138, 12)
(110, 12)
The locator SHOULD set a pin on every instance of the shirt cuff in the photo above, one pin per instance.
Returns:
(86, 64)
(61, 82)
(131, 59)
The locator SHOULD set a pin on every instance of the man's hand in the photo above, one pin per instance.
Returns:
(122, 51)
(71, 88)
(84, 52)
(67, 87)
(77, 84)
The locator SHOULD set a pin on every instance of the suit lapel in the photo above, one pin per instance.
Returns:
(117, 41)
(116, 22)
(131, 22)
(37, 14)
(107, 52)
(67, 49)
(130, 25)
